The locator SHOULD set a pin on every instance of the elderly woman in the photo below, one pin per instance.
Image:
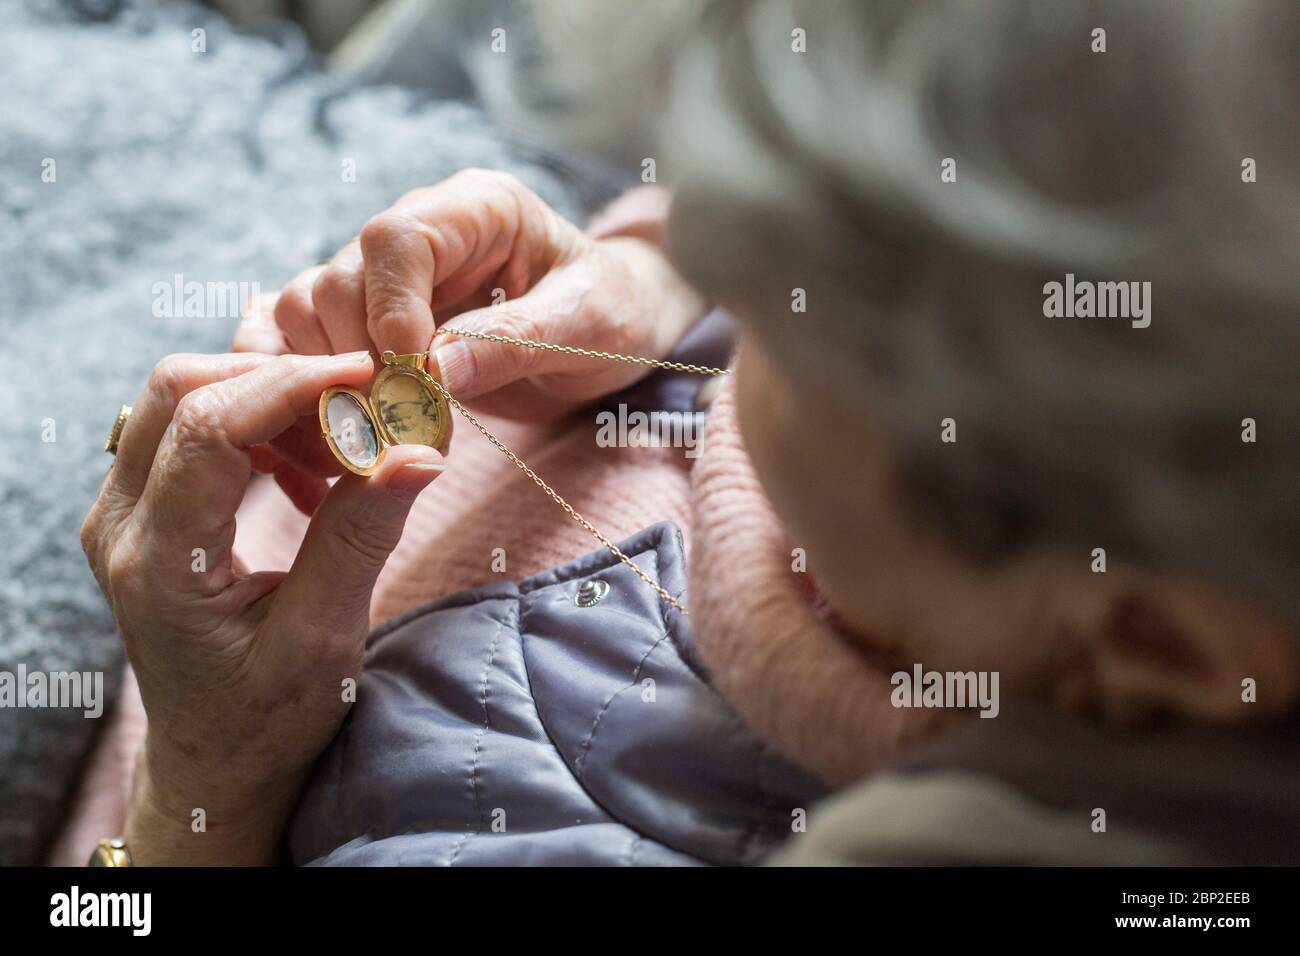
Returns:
(920, 468)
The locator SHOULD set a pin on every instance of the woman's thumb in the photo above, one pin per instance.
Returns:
(352, 534)
(472, 366)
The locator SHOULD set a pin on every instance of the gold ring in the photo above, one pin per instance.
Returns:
(110, 446)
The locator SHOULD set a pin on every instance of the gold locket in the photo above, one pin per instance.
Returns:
(406, 407)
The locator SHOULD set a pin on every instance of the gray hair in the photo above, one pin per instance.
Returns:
(821, 171)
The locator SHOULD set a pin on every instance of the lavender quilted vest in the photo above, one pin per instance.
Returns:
(512, 725)
(562, 720)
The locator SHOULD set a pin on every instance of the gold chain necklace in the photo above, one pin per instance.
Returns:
(407, 405)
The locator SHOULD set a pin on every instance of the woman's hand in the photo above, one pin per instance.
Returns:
(484, 249)
(242, 675)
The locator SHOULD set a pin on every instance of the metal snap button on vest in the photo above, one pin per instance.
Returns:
(590, 593)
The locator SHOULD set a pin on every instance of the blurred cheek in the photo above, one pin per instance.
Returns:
(764, 417)
(816, 470)
(828, 472)
(767, 418)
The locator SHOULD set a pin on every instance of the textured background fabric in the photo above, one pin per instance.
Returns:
(223, 167)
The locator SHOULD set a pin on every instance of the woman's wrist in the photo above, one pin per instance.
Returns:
(659, 288)
(634, 225)
(177, 818)
(641, 213)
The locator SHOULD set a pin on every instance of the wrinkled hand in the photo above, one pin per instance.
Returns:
(241, 674)
(482, 249)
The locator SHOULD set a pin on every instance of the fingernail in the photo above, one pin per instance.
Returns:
(350, 358)
(455, 366)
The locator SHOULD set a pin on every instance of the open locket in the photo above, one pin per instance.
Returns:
(405, 407)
